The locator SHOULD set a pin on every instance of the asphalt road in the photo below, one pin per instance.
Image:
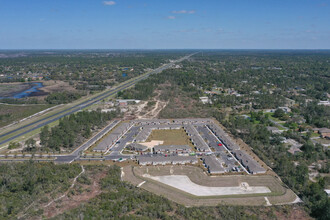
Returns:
(91, 141)
(73, 109)
(128, 137)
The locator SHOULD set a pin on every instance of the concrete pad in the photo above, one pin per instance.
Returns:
(140, 184)
(267, 202)
(183, 183)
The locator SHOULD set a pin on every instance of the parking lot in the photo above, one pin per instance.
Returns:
(219, 153)
(229, 162)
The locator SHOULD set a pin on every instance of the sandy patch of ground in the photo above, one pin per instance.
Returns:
(183, 183)
(144, 109)
(152, 143)
(267, 202)
(140, 108)
(153, 113)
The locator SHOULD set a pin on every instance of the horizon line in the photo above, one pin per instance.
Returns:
(166, 49)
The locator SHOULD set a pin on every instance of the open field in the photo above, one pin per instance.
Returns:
(11, 113)
(170, 137)
(278, 194)
(7, 89)
(57, 86)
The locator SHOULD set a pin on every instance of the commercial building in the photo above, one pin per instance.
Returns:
(124, 102)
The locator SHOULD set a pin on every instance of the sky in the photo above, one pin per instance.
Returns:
(165, 24)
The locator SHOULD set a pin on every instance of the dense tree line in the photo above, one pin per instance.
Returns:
(62, 97)
(235, 72)
(270, 149)
(22, 184)
(121, 200)
(27, 187)
(70, 128)
(100, 68)
(318, 115)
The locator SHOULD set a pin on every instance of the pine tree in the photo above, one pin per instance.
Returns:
(44, 135)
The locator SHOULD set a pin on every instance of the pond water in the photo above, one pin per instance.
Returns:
(29, 92)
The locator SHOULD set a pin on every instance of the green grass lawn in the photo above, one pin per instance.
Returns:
(170, 137)
(270, 114)
(313, 134)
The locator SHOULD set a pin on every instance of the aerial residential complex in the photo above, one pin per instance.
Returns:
(209, 143)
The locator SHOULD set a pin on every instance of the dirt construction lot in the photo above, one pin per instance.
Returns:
(190, 186)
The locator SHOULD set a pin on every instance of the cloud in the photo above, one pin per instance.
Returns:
(171, 17)
(109, 3)
(184, 12)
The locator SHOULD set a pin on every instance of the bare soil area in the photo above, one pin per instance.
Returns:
(145, 109)
(57, 86)
(153, 112)
(152, 143)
